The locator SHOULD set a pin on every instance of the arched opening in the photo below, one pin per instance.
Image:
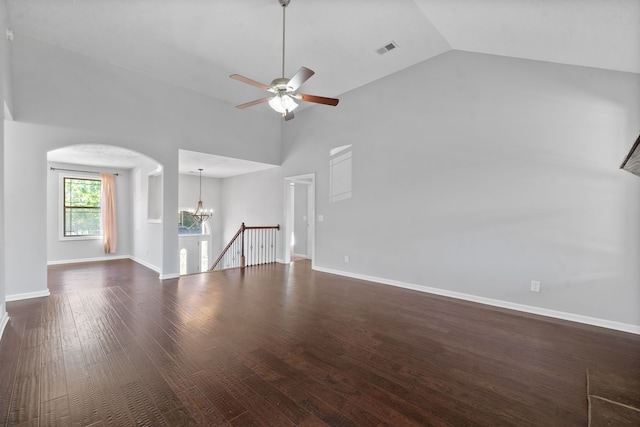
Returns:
(138, 204)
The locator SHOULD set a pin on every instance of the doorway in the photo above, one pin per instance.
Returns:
(300, 217)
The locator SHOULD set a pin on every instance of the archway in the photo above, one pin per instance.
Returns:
(139, 194)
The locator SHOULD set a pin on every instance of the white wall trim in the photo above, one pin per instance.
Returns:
(28, 295)
(74, 261)
(156, 269)
(304, 256)
(3, 322)
(111, 258)
(609, 324)
(146, 264)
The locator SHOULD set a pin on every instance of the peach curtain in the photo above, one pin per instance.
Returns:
(108, 208)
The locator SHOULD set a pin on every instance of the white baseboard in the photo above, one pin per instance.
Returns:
(305, 256)
(156, 269)
(74, 261)
(609, 324)
(28, 295)
(146, 264)
(3, 322)
(111, 258)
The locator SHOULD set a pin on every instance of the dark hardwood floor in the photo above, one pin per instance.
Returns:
(278, 345)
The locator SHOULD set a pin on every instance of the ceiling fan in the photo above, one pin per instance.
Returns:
(283, 89)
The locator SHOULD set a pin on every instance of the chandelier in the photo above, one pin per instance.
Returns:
(200, 215)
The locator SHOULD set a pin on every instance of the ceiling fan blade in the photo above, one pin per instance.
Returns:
(288, 115)
(301, 76)
(252, 103)
(317, 99)
(248, 81)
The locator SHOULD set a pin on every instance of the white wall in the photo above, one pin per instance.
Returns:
(3, 292)
(5, 95)
(57, 87)
(61, 98)
(76, 250)
(471, 173)
(6, 65)
(476, 174)
(25, 226)
(255, 199)
(148, 234)
(300, 214)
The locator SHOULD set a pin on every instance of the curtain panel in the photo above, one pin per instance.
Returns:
(108, 208)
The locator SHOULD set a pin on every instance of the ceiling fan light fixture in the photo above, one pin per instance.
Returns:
(283, 88)
(283, 103)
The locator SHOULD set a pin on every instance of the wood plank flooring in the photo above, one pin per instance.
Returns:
(284, 345)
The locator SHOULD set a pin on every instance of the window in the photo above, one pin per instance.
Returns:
(81, 212)
(340, 173)
(187, 225)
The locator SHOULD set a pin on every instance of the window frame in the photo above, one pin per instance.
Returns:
(62, 207)
(186, 211)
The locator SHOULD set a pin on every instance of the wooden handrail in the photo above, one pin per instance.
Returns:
(240, 233)
(226, 248)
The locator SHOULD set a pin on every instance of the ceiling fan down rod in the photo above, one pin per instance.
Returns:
(284, 4)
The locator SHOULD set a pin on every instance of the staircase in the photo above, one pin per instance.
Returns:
(250, 246)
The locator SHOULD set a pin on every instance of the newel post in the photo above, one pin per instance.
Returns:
(242, 258)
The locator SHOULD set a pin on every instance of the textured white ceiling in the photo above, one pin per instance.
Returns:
(109, 156)
(592, 33)
(197, 44)
(216, 166)
(99, 155)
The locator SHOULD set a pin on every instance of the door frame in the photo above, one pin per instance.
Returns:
(309, 180)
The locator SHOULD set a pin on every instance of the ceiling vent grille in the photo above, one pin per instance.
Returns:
(386, 48)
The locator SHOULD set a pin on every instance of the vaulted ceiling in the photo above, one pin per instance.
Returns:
(197, 44)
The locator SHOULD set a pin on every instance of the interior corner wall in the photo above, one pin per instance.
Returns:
(3, 291)
(59, 251)
(6, 62)
(25, 233)
(5, 97)
(148, 235)
(476, 174)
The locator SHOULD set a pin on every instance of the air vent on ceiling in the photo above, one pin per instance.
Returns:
(386, 48)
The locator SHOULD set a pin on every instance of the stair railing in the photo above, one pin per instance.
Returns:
(252, 245)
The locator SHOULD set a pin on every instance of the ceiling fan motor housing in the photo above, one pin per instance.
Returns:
(281, 84)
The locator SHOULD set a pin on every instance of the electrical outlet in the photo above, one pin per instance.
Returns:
(535, 286)
(346, 259)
